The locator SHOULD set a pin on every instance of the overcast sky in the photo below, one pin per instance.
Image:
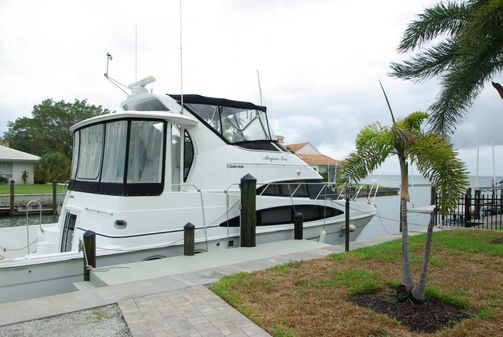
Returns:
(319, 63)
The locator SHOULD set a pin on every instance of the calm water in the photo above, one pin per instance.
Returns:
(20, 220)
(387, 219)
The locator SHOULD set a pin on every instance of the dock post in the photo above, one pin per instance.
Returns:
(248, 187)
(433, 195)
(12, 201)
(188, 239)
(298, 220)
(346, 231)
(54, 197)
(468, 203)
(89, 253)
(477, 205)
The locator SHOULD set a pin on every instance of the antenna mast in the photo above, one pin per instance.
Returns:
(114, 82)
(136, 53)
(181, 62)
(259, 87)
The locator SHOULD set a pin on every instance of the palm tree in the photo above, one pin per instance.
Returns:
(436, 160)
(462, 43)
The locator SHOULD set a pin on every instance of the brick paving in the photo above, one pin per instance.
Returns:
(171, 306)
(188, 312)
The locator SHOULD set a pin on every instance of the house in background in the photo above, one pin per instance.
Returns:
(317, 160)
(13, 163)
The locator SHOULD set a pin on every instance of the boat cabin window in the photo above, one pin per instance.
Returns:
(188, 154)
(175, 157)
(152, 104)
(284, 215)
(145, 152)
(115, 152)
(91, 145)
(122, 157)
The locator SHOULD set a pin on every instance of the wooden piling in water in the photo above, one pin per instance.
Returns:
(54, 197)
(12, 199)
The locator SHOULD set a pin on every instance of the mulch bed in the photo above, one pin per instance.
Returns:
(428, 317)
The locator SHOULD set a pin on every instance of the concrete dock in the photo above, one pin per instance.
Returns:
(172, 302)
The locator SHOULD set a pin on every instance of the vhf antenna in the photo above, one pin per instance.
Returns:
(114, 82)
(259, 87)
(181, 62)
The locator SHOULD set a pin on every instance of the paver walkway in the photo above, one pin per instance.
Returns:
(175, 305)
(189, 312)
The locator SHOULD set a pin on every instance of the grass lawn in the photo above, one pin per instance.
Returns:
(30, 188)
(311, 298)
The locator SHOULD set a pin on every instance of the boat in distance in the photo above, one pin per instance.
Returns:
(141, 174)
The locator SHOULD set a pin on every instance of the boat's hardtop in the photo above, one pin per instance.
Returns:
(157, 115)
(198, 99)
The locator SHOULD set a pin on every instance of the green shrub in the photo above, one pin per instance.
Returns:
(52, 166)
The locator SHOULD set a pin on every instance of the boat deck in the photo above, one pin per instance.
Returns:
(210, 261)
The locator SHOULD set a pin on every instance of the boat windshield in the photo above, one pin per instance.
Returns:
(234, 124)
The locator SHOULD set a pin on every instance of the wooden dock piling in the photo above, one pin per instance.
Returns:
(188, 239)
(248, 187)
(12, 199)
(89, 253)
(54, 197)
(298, 221)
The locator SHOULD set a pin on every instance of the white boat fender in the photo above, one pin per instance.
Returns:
(351, 229)
(323, 236)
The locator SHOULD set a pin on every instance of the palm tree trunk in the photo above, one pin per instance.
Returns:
(407, 281)
(419, 290)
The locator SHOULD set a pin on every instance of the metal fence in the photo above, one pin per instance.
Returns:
(480, 208)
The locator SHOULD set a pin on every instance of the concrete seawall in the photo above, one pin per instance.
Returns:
(23, 199)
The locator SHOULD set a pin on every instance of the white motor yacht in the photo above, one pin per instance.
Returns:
(139, 175)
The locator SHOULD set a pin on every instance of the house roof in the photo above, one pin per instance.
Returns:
(6, 153)
(296, 147)
(319, 159)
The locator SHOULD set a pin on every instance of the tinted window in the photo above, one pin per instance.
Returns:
(188, 154)
(284, 215)
(297, 189)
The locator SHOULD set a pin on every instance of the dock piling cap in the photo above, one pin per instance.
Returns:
(248, 179)
(89, 234)
(189, 226)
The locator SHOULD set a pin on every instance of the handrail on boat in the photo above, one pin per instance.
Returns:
(27, 223)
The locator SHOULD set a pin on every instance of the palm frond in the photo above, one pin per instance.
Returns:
(413, 121)
(373, 146)
(437, 161)
(443, 18)
(460, 86)
(427, 64)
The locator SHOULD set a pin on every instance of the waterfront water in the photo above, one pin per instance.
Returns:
(33, 219)
(387, 219)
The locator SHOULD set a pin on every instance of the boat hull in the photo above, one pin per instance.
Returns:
(51, 274)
